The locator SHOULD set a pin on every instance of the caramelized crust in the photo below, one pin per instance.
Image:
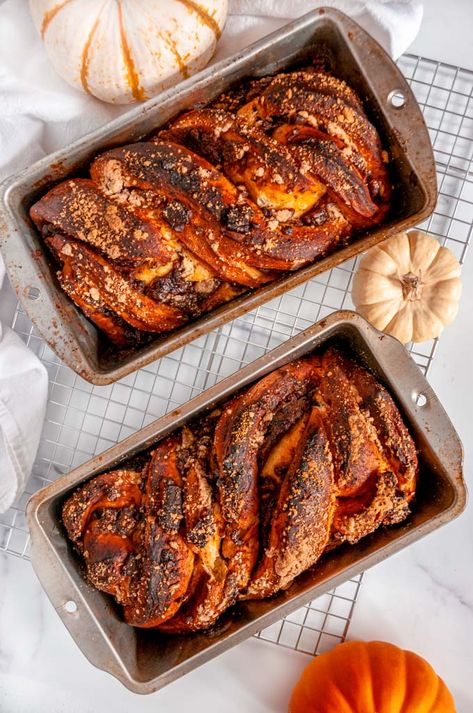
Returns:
(248, 156)
(392, 432)
(102, 519)
(84, 269)
(356, 451)
(271, 177)
(78, 209)
(167, 561)
(357, 517)
(236, 506)
(274, 470)
(211, 597)
(314, 98)
(204, 527)
(323, 157)
(302, 517)
(275, 180)
(239, 436)
(190, 202)
(96, 310)
(374, 455)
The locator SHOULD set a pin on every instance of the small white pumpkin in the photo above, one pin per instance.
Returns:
(123, 51)
(409, 286)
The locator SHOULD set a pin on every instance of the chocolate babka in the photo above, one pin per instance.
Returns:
(238, 504)
(269, 178)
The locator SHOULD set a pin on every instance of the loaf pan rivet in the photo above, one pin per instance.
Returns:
(397, 99)
(32, 293)
(419, 399)
(70, 606)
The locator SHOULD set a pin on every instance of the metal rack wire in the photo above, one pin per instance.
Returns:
(83, 420)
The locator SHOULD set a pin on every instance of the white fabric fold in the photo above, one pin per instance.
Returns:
(40, 113)
(393, 23)
(23, 394)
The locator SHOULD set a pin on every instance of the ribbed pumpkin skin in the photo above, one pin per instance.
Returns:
(370, 677)
(123, 51)
(408, 286)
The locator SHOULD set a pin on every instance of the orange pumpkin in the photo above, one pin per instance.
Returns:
(370, 677)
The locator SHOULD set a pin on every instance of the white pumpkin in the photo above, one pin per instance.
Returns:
(409, 286)
(123, 51)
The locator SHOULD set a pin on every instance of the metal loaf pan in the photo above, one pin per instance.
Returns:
(353, 55)
(144, 660)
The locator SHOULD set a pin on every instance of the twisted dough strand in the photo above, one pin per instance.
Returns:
(222, 200)
(236, 506)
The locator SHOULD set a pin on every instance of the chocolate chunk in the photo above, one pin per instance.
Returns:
(177, 215)
(238, 218)
(316, 217)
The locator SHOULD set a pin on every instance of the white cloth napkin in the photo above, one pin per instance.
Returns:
(23, 394)
(394, 23)
(40, 113)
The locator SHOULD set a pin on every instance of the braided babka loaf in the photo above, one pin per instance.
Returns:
(269, 178)
(237, 505)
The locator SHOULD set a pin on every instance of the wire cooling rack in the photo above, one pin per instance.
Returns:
(83, 420)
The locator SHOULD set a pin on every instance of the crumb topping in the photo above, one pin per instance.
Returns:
(238, 504)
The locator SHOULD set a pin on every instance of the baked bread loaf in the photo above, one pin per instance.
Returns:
(237, 505)
(271, 177)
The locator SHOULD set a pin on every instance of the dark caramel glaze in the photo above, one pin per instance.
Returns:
(210, 591)
(107, 287)
(78, 210)
(375, 459)
(275, 174)
(324, 158)
(237, 505)
(248, 156)
(280, 189)
(300, 522)
(102, 519)
(393, 434)
(273, 472)
(356, 451)
(319, 99)
(239, 437)
(167, 561)
(194, 203)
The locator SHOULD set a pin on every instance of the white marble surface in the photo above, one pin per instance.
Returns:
(421, 599)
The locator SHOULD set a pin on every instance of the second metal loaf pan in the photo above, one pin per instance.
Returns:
(145, 660)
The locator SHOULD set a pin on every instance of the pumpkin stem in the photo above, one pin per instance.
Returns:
(412, 286)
